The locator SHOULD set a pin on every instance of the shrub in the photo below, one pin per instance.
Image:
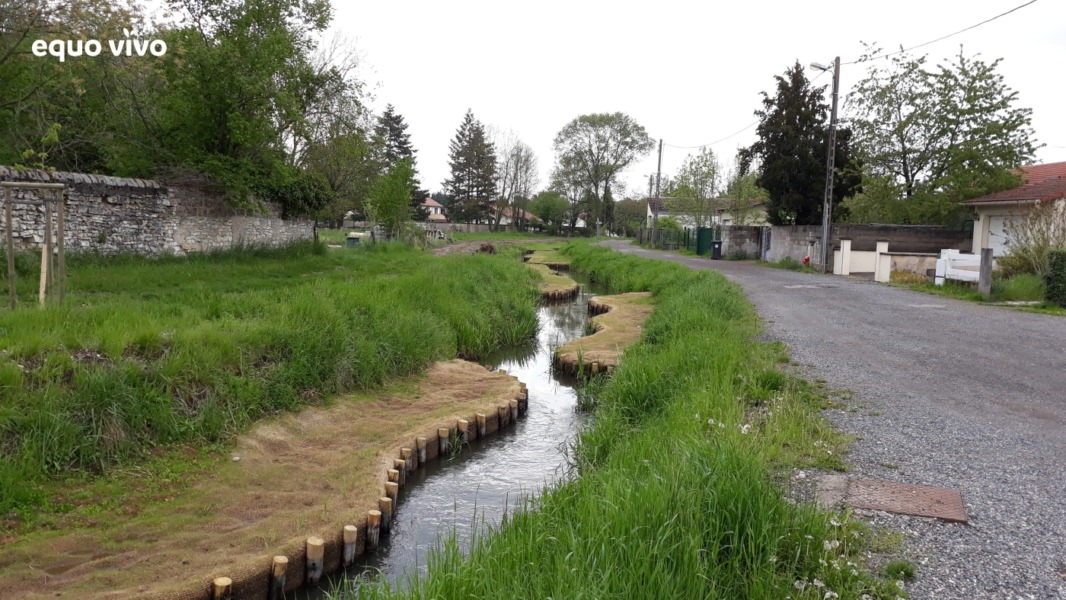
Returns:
(1055, 279)
(1034, 238)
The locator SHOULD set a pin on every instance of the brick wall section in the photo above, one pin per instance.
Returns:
(114, 215)
(794, 241)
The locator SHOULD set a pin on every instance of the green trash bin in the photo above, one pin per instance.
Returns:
(704, 236)
(353, 239)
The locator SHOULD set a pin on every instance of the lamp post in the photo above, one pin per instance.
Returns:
(827, 207)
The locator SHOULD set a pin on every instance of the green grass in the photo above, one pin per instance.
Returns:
(675, 491)
(150, 353)
(1023, 288)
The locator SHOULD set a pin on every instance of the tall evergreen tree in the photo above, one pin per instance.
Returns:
(472, 185)
(391, 130)
(793, 134)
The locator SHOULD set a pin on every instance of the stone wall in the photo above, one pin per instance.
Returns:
(114, 215)
(797, 241)
(744, 239)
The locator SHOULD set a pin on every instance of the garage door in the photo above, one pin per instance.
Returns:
(997, 236)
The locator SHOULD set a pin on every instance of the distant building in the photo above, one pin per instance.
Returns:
(435, 210)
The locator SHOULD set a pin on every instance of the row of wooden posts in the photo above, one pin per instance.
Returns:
(379, 521)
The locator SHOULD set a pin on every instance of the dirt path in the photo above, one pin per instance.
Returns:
(295, 476)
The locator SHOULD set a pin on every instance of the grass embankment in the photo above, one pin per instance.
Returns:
(617, 326)
(681, 473)
(153, 353)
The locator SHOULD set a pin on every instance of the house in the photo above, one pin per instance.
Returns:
(435, 210)
(718, 212)
(994, 212)
(508, 216)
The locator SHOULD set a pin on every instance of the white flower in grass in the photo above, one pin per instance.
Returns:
(829, 595)
(831, 544)
(800, 584)
(745, 428)
(833, 521)
(866, 597)
(854, 573)
(818, 583)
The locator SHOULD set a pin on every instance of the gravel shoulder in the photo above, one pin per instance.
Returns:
(943, 393)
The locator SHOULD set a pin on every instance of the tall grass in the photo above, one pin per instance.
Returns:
(674, 494)
(150, 352)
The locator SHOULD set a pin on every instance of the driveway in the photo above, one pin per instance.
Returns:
(945, 393)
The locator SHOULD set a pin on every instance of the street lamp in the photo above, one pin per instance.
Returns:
(827, 208)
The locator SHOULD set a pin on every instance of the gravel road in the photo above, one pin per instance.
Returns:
(949, 394)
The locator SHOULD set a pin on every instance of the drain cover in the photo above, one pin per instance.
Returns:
(901, 498)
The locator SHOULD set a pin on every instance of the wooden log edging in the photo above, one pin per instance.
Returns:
(561, 295)
(305, 563)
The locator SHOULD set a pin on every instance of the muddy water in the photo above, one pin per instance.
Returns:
(491, 476)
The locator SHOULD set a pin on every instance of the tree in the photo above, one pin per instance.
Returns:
(741, 189)
(793, 133)
(593, 149)
(391, 134)
(937, 136)
(516, 177)
(551, 207)
(389, 201)
(629, 216)
(697, 185)
(472, 184)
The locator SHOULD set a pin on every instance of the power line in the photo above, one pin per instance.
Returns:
(729, 137)
(861, 60)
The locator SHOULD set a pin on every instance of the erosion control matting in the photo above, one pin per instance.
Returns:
(900, 498)
(290, 477)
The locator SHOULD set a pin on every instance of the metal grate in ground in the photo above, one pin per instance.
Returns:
(901, 498)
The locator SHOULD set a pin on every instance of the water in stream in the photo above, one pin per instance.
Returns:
(493, 475)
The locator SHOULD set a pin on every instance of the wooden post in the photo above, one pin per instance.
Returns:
(393, 476)
(501, 413)
(9, 223)
(385, 508)
(420, 444)
(373, 529)
(316, 552)
(61, 224)
(443, 439)
(42, 289)
(480, 418)
(277, 578)
(408, 455)
(392, 491)
(351, 535)
(513, 405)
(463, 427)
(222, 588)
(984, 284)
(401, 469)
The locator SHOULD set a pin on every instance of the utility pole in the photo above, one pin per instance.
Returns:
(659, 170)
(827, 208)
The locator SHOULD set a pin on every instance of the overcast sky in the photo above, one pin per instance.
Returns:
(690, 72)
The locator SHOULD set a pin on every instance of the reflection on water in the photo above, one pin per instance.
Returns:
(493, 475)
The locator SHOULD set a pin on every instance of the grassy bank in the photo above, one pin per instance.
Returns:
(149, 353)
(681, 486)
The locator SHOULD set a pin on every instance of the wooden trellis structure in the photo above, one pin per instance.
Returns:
(53, 195)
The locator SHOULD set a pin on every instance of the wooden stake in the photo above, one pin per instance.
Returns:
(408, 455)
(385, 508)
(351, 535)
(501, 413)
(316, 552)
(463, 427)
(277, 578)
(392, 490)
(480, 418)
(392, 476)
(513, 405)
(443, 437)
(401, 470)
(61, 224)
(42, 290)
(420, 444)
(9, 226)
(373, 529)
(222, 588)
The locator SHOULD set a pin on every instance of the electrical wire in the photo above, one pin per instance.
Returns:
(862, 60)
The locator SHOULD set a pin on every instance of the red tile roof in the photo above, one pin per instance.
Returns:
(1039, 183)
(431, 203)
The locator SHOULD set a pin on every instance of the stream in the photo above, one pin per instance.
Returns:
(490, 477)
